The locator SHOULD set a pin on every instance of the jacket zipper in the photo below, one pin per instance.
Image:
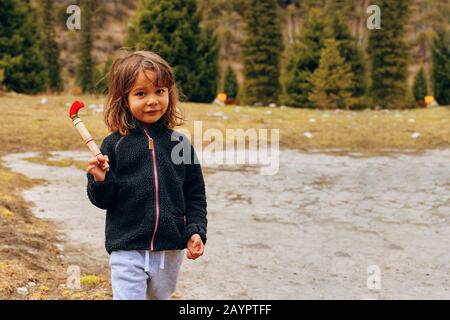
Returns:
(151, 146)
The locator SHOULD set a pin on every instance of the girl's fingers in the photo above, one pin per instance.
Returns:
(192, 254)
(199, 246)
(102, 158)
(93, 161)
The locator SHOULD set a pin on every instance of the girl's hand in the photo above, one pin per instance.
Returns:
(95, 167)
(195, 247)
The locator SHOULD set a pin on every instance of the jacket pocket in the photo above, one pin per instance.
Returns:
(180, 221)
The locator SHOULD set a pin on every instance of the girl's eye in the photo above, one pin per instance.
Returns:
(160, 91)
(140, 94)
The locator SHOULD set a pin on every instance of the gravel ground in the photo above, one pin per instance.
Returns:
(323, 227)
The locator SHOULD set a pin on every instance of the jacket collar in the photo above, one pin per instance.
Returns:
(158, 126)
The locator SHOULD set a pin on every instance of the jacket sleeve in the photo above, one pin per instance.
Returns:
(102, 193)
(195, 198)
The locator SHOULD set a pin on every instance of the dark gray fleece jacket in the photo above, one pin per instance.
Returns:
(151, 202)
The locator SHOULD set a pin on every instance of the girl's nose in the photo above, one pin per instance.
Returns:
(151, 101)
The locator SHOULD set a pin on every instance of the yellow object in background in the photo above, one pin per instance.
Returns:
(222, 97)
(429, 99)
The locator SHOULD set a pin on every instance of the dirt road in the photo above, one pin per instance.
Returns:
(324, 227)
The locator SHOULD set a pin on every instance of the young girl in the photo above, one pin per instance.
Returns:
(156, 204)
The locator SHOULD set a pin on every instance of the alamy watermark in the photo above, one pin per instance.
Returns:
(73, 277)
(74, 20)
(232, 149)
(374, 278)
(374, 20)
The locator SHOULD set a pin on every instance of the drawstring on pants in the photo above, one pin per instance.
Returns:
(162, 258)
(147, 262)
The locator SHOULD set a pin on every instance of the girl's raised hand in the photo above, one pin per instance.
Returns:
(95, 167)
(195, 247)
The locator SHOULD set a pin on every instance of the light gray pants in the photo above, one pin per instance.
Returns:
(144, 274)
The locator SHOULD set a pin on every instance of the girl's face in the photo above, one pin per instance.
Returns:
(147, 102)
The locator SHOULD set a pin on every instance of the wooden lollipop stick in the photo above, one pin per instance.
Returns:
(87, 138)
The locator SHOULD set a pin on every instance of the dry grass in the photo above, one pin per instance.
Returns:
(365, 131)
(27, 249)
(27, 244)
(26, 125)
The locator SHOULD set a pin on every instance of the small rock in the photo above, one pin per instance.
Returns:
(342, 254)
(44, 101)
(268, 112)
(23, 291)
(236, 109)
(308, 134)
(31, 284)
(225, 117)
(272, 105)
(218, 102)
(312, 120)
(415, 135)
(411, 120)
(394, 246)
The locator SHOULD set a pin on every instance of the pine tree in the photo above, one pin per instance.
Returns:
(261, 52)
(420, 86)
(345, 8)
(441, 68)
(101, 83)
(50, 48)
(230, 86)
(86, 68)
(171, 29)
(389, 54)
(333, 80)
(21, 59)
(348, 47)
(303, 59)
(205, 89)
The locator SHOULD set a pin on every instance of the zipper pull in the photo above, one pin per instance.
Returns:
(150, 144)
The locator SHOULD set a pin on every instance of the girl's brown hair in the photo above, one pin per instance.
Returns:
(124, 72)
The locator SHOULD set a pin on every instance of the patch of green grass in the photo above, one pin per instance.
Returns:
(90, 280)
(6, 213)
